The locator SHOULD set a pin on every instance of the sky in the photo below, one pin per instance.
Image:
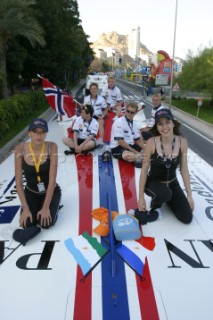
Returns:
(156, 19)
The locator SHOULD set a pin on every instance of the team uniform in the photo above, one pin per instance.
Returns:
(146, 134)
(152, 118)
(112, 96)
(123, 129)
(84, 128)
(98, 104)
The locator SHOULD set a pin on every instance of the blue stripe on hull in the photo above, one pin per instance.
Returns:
(114, 289)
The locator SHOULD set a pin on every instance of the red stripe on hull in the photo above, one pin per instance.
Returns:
(146, 295)
(83, 295)
(107, 126)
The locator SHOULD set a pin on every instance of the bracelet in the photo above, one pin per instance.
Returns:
(189, 191)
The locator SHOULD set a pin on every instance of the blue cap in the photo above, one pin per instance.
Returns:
(163, 113)
(38, 123)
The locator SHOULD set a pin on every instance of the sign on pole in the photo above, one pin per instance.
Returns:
(199, 104)
(162, 79)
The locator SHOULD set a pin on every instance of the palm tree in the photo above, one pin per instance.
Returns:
(16, 19)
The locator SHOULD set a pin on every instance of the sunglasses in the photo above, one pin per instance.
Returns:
(128, 111)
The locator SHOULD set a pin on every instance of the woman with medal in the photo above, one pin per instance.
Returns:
(164, 153)
(36, 164)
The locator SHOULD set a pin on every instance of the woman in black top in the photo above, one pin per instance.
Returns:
(164, 153)
(36, 164)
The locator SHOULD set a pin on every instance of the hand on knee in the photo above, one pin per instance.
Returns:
(128, 157)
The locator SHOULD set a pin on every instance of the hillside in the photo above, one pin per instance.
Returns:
(117, 41)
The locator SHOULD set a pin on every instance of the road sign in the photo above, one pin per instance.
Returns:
(162, 79)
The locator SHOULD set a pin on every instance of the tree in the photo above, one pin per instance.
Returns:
(197, 73)
(67, 53)
(16, 19)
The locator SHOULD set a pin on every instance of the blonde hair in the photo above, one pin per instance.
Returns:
(133, 105)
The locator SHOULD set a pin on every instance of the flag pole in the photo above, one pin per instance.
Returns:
(112, 245)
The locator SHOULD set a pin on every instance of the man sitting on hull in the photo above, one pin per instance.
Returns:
(85, 129)
(126, 140)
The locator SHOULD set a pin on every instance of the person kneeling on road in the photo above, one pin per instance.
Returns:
(126, 140)
(85, 129)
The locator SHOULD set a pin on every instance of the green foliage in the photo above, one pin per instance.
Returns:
(20, 107)
(16, 20)
(26, 26)
(190, 106)
(197, 73)
(67, 54)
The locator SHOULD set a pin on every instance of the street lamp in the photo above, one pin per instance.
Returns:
(173, 55)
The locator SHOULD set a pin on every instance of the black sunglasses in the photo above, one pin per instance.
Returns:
(128, 111)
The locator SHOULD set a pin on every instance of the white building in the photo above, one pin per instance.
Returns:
(100, 53)
(134, 43)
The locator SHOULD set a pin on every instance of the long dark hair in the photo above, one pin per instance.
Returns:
(176, 129)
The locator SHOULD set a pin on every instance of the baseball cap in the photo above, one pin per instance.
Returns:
(163, 113)
(141, 105)
(38, 123)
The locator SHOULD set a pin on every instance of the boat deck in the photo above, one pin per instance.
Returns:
(42, 280)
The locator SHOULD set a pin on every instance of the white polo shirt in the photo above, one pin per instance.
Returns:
(122, 129)
(98, 104)
(112, 95)
(152, 118)
(84, 129)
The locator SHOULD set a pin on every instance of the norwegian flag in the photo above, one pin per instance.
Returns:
(59, 100)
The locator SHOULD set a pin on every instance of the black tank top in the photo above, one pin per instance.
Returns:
(31, 175)
(159, 171)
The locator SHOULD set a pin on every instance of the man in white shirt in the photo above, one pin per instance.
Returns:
(156, 102)
(85, 129)
(100, 107)
(126, 141)
(112, 95)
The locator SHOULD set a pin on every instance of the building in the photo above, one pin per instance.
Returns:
(134, 43)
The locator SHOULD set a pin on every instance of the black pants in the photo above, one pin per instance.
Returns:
(35, 203)
(173, 195)
(118, 151)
